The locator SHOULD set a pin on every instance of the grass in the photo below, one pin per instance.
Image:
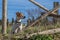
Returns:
(35, 29)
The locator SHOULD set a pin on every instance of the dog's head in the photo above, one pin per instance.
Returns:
(20, 15)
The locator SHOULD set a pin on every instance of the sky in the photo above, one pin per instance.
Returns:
(14, 6)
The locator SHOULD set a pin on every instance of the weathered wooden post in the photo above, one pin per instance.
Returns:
(32, 18)
(55, 5)
(4, 16)
(12, 21)
(7, 23)
(28, 21)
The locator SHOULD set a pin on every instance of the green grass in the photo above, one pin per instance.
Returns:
(41, 37)
(35, 29)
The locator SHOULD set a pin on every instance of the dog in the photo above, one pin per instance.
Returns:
(17, 26)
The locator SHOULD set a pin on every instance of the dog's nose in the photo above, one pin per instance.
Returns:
(24, 17)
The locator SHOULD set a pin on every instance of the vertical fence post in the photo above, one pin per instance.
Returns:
(28, 21)
(55, 5)
(4, 16)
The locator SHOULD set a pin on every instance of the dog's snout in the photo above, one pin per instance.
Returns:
(24, 16)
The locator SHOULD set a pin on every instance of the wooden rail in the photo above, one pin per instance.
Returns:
(51, 31)
(45, 15)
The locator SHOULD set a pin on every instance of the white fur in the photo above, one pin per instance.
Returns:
(17, 27)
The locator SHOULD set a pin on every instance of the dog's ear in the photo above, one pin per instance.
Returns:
(18, 14)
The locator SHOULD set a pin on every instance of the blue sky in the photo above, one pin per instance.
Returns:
(23, 5)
